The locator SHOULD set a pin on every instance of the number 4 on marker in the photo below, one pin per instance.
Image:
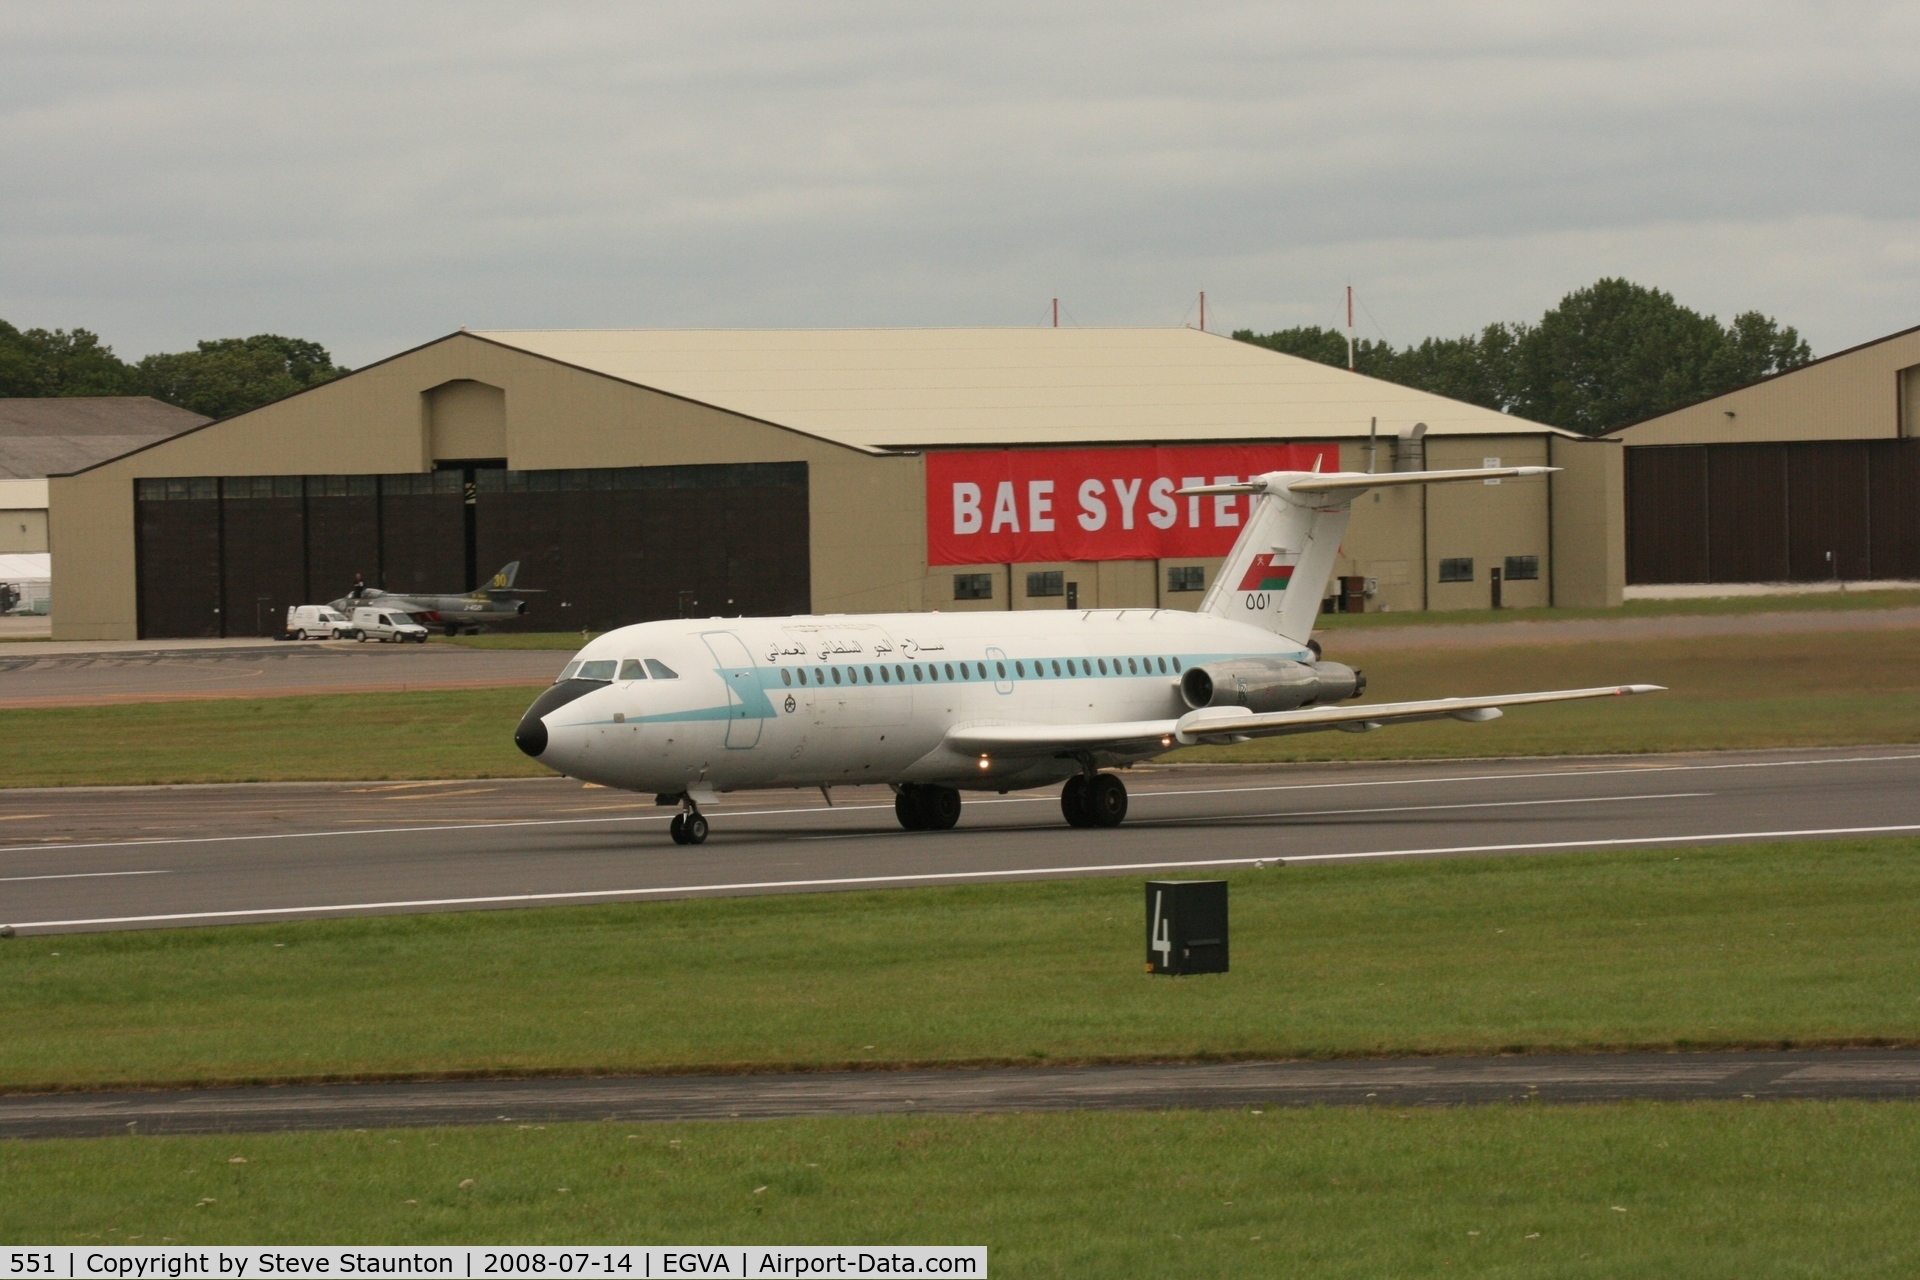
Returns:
(1162, 941)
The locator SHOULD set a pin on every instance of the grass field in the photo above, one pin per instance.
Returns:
(1726, 1189)
(1726, 692)
(462, 733)
(1708, 606)
(568, 640)
(1758, 945)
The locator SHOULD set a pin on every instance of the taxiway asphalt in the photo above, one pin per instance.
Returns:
(76, 859)
(1845, 1073)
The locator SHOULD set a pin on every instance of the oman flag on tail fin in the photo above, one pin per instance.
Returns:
(1264, 574)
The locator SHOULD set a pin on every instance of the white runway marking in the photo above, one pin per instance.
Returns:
(1317, 813)
(1012, 874)
(1137, 797)
(83, 875)
(1430, 808)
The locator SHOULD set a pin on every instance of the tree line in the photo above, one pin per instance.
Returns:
(220, 378)
(1608, 355)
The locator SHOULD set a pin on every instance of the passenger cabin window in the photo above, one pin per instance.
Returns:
(633, 669)
(661, 671)
(602, 671)
(950, 670)
(1056, 667)
(1001, 667)
(1020, 669)
(1103, 666)
(900, 673)
(786, 677)
(983, 669)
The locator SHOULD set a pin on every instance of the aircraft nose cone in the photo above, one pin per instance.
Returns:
(531, 736)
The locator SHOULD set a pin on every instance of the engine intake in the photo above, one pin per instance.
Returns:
(1269, 684)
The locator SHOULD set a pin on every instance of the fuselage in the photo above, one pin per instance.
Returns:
(732, 703)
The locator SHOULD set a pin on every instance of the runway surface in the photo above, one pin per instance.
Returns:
(1880, 1074)
(147, 857)
(76, 675)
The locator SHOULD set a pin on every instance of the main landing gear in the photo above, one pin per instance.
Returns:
(690, 825)
(922, 807)
(1094, 800)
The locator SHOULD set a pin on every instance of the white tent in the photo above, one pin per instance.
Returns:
(31, 574)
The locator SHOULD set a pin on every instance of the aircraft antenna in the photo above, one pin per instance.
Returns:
(1349, 328)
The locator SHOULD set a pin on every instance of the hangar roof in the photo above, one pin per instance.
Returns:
(42, 436)
(880, 389)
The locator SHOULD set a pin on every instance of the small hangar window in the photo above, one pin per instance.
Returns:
(1523, 568)
(973, 586)
(1190, 577)
(1457, 569)
(1050, 582)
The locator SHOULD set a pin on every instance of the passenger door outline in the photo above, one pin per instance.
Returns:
(745, 698)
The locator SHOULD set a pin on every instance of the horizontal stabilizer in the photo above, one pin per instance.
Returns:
(1335, 482)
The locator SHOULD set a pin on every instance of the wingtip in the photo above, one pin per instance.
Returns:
(1643, 688)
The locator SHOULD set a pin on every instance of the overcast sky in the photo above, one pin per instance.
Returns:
(375, 175)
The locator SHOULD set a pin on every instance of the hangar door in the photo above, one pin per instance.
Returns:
(1803, 511)
(226, 556)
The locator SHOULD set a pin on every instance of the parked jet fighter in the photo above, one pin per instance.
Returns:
(498, 601)
(937, 703)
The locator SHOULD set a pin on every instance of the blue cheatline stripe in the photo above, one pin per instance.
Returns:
(755, 703)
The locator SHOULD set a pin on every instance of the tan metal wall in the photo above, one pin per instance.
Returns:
(378, 421)
(1487, 522)
(23, 531)
(1589, 523)
(1854, 395)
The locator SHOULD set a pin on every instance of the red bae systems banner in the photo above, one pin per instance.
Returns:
(1013, 506)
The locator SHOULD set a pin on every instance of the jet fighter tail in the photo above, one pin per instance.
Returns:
(1279, 567)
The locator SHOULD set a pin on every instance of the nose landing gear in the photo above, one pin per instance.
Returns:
(922, 807)
(1094, 800)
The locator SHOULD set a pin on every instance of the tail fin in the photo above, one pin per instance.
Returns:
(1279, 567)
(503, 580)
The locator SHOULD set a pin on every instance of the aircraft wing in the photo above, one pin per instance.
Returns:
(1233, 724)
(1226, 724)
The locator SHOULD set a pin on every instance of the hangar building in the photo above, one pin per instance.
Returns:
(1811, 475)
(640, 474)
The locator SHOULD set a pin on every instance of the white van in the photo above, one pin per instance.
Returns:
(387, 624)
(317, 621)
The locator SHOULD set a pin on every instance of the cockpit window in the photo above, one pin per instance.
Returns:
(566, 672)
(661, 671)
(596, 670)
(633, 669)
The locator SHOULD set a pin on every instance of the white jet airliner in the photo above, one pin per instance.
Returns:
(936, 703)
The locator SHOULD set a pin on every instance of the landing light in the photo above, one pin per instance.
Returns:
(984, 763)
